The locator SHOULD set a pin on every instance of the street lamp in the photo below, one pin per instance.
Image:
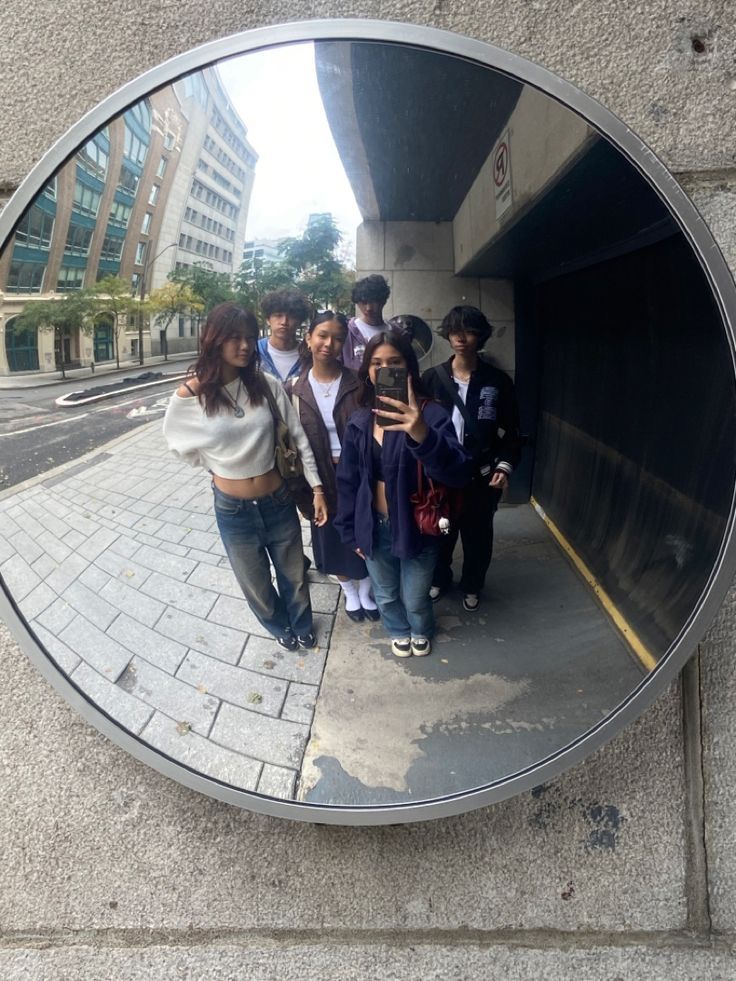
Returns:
(147, 263)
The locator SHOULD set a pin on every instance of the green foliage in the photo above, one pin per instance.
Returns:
(173, 299)
(208, 286)
(310, 262)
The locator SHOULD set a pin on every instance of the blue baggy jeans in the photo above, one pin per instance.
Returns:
(253, 531)
(401, 586)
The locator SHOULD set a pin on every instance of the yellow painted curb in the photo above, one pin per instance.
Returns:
(641, 651)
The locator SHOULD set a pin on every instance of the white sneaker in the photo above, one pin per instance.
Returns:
(401, 646)
(434, 593)
(471, 602)
(420, 646)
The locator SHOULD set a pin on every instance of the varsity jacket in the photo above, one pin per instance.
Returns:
(491, 404)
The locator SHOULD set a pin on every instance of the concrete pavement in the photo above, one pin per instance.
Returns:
(116, 563)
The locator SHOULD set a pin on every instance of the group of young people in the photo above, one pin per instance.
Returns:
(459, 426)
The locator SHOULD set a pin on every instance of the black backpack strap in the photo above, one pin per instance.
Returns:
(470, 426)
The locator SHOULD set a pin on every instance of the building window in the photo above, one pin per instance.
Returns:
(35, 229)
(168, 141)
(70, 278)
(135, 282)
(153, 196)
(112, 248)
(128, 181)
(161, 167)
(93, 158)
(134, 148)
(120, 214)
(146, 226)
(86, 200)
(25, 277)
(78, 240)
(140, 251)
(181, 326)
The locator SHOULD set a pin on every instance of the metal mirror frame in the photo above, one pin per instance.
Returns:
(705, 249)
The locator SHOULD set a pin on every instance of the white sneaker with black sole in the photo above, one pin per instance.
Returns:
(471, 602)
(420, 646)
(401, 646)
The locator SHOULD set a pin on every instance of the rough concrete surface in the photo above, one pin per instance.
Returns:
(102, 852)
(92, 840)
(417, 961)
(638, 59)
(719, 764)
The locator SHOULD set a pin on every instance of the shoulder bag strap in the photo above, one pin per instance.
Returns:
(457, 401)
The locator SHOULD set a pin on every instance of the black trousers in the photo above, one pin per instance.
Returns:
(475, 529)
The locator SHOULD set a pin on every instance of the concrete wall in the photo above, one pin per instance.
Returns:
(623, 868)
(417, 260)
(544, 138)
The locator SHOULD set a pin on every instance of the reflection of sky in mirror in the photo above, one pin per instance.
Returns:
(275, 93)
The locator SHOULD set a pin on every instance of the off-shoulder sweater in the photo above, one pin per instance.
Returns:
(232, 447)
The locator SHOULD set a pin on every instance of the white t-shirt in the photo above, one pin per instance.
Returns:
(457, 419)
(283, 360)
(366, 330)
(326, 404)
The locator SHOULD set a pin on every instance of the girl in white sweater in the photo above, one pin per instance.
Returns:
(220, 419)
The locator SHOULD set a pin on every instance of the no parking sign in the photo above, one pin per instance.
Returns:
(501, 161)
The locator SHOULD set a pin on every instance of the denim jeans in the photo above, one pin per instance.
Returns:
(401, 586)
(254, 530)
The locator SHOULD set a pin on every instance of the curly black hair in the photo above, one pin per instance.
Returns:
(372, 288)
(290, 302)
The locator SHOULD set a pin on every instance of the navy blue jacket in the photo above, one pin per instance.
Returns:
(441, 456)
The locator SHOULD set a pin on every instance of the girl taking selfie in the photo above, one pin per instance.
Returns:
(376, 477)
(220, 419)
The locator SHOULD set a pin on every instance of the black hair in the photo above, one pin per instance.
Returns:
(305, 355)
(466, 318)
(402, 344)
(372, 288)
(290, 302)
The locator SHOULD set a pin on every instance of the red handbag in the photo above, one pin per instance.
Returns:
(431, 506)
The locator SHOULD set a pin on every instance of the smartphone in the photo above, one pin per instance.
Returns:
(391, 382)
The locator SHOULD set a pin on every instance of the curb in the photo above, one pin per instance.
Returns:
(62, 400)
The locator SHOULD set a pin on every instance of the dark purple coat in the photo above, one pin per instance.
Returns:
(441, 455)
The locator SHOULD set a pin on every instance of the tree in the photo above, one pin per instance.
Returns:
(111, 295)
(173, 299)
(256, 278)
(209, 286)
(63, 316)
(319, 270)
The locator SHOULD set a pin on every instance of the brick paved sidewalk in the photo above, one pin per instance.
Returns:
(117, 565)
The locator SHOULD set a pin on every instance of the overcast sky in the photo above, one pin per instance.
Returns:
(276, 94)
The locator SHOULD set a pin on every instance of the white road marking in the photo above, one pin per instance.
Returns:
(45, 425)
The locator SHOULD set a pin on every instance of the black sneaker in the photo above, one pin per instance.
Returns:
(307, 641)
(288, 642)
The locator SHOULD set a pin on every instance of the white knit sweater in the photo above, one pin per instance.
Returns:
(230, 447)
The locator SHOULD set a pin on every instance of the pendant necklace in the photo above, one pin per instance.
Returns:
(326, 389)
(238, 410)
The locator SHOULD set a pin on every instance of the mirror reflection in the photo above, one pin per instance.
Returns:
(555, 356)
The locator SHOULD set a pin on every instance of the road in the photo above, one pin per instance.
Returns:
(36, 435)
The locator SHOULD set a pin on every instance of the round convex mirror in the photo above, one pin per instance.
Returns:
(312, 156)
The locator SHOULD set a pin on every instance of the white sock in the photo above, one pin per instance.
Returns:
(352, 599)
(364, 591)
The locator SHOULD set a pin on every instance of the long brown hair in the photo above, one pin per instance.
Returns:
(225, 321)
